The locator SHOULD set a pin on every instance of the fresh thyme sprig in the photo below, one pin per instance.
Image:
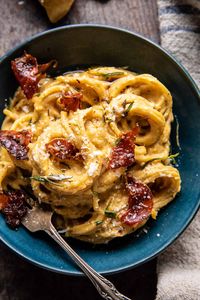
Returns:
(172, 157)
(128, 109)
(52, 179)
(110, 75)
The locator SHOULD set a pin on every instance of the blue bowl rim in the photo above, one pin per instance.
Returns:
(192, 83)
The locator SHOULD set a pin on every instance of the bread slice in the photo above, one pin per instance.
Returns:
(56, 9)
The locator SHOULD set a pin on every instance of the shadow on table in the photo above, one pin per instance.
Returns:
(19, 280)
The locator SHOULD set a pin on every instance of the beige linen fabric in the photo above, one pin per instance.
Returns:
(179, 266)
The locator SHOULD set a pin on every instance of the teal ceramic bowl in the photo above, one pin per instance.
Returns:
(95, 45)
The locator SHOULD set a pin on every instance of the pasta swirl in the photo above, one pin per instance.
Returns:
(69, 157)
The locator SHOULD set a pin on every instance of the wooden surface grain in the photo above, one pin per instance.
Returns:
(18, 22)
(19, 280)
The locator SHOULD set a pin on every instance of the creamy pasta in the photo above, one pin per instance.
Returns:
(99, 144)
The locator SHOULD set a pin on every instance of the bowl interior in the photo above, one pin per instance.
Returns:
(97, 45)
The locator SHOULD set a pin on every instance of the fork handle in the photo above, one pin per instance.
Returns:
(105, 288)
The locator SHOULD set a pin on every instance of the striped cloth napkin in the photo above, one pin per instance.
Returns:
(179, 267)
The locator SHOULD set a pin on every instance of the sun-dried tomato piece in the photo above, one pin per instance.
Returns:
(44, 67)
(16, 142)
(28, 73)
(15, 208)
(3, 200)
(61, 149)
(140, 202)
(25, 69)
(123, 153)
(70, 101)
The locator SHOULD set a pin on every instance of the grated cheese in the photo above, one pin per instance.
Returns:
(92, 169)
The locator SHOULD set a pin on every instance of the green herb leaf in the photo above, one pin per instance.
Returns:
(110, 214)
(51, 179)
(173, 155)
(113, 74)
(98, 222)
(128, 109)
(39, 178)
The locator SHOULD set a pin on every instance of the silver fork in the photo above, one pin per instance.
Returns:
(38, 219)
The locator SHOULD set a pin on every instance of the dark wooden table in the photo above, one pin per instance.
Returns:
(19, 280)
